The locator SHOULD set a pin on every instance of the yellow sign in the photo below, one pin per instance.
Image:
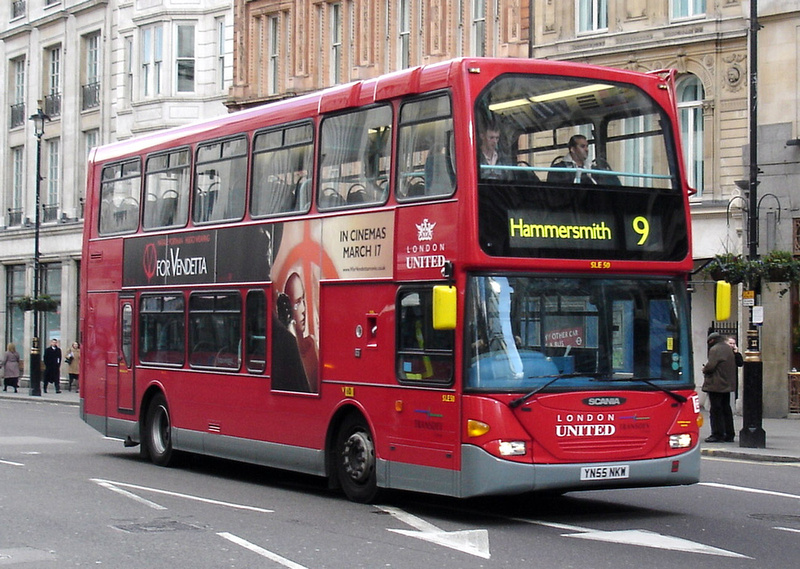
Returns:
(748, 298)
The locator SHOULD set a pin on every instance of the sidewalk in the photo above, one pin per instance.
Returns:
(782, 435)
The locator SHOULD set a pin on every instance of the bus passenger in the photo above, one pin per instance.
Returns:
(575, 162)
(490, 155)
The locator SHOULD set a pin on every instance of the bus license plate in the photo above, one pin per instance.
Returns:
(614, 472)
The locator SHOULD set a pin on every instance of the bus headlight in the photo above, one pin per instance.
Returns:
(512, 448)
(680, 441)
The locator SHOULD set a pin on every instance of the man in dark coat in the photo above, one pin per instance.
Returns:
(719, 376)
(52, 365)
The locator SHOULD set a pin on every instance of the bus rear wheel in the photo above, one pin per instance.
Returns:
(157, 435)
(355, 460)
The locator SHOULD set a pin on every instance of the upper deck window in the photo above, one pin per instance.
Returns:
(355, 159)
(120, 188)
(167, 183)
(426, 155)
(220, 177)
(282, 164)
(538, 118)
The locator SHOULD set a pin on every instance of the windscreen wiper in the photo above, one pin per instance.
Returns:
(649, 381)
(520, 400)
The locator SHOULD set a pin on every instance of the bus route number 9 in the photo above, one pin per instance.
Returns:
(642, 228)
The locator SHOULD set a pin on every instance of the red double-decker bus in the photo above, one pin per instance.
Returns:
(466, 278)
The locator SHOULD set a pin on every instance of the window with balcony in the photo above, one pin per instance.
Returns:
(17, 115)
(592, 15)
(185, 60)
(90, 88)
(52, 100)
(17, 180)
(50, 205)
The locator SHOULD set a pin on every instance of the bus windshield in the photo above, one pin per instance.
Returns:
(527, 332)
(624, 133)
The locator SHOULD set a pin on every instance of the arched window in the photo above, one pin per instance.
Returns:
(690, 112)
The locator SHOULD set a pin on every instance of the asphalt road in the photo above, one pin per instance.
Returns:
(70, 498)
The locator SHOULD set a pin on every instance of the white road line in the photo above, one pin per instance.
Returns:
(639, 537)
(794, 530)
(261, 551)
(10, 463)
(179, 495)
(131, 495)
(750, 490)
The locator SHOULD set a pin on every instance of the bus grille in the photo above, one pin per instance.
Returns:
(609, 446)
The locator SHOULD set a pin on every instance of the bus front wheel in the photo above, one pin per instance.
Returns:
(355, 460)
(157, 436)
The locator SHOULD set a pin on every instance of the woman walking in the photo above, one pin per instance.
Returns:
(12, 366)
(73, 360)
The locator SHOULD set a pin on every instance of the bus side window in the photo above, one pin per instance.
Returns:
(256, 331)
(220, 179)
(167, 190)
(425, 149)
(119, 198)
(282, 163)
(423, 354)
(355, 158)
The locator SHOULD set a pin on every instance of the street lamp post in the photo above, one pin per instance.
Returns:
(36, 358)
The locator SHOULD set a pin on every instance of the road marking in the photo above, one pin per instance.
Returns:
(11, 463)
(750, 490)
(113, 484)
(640, 537)
(793, 530)
(131, 495)
(261, 551)
(473, 542)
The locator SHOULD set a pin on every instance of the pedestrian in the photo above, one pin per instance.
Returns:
(52, 365)
(73, 361)
(719, 374)
(731, 341)
(12, 367)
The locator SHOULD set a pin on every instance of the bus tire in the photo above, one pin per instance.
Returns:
(157, 435)
(355, 460)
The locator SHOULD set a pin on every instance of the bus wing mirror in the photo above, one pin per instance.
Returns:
(444, 307)
(723, 301)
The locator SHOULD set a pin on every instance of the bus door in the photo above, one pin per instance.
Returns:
(124, 357)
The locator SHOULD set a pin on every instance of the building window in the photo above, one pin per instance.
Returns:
(17, 180)
(18, 103)
(91, 80)
(273, 54)
(690, 113)
(404, 34)
(478, 28)
(17, 9)
(336, 43)
(220, 26)
(152, 60)
(592, 15)
(688, 8)
(129, 69)
(52, 100)
(50, 207)
(15, 316)
(185, 58)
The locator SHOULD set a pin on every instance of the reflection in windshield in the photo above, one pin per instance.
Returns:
(523, 332)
